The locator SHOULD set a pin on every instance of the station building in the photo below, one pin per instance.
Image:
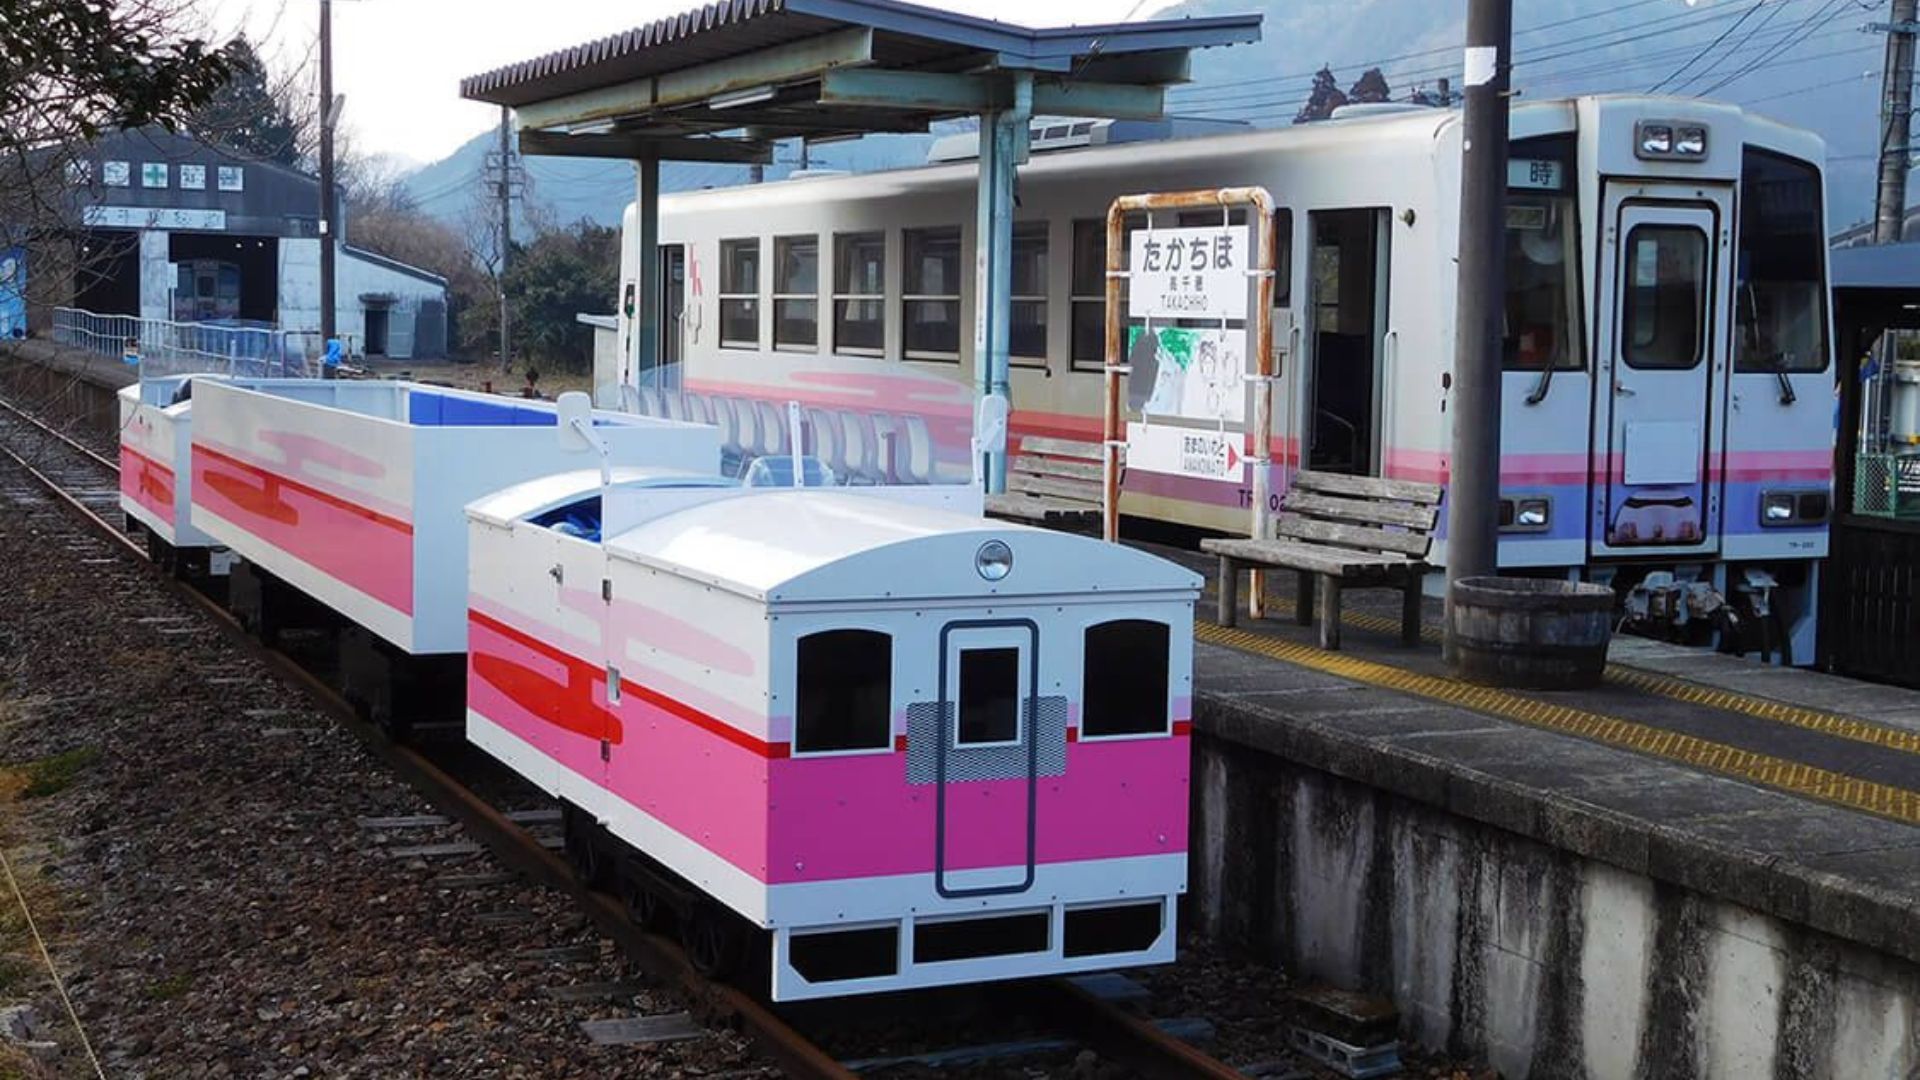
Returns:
(177, 228)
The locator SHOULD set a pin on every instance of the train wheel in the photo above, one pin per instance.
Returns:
(583, 851)
(716, 943)
(645, 906)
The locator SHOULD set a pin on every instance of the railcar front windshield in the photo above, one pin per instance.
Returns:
(1542, 325)
(1779, 308)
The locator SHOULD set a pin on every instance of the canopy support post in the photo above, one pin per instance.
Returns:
(646, 333)
(1003, 146)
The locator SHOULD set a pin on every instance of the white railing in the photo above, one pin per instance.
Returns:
(159, 347)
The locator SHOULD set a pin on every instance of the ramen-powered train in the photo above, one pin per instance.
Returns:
(1667, 410)
(856, 739)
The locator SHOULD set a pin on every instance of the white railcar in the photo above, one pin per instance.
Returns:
(1667, 390)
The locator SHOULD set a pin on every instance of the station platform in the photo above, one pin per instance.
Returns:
(106, 372)
(1696, 834)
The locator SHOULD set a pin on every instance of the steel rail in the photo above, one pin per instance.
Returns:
(1120, 1034)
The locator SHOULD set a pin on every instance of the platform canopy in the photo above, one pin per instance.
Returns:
(723, 82)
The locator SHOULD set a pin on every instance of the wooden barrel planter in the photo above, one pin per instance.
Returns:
(1531, 633)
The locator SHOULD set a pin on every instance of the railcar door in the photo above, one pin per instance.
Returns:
(987, 757)
(1663, 350)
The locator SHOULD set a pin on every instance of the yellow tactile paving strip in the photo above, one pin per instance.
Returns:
(1837, 725)
(1795, 777)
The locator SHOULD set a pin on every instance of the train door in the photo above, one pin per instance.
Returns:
(1347, 314)
(987, 758)
(1664, 291)
(673, 314)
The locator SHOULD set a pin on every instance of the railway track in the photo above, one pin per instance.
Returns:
(85, 483)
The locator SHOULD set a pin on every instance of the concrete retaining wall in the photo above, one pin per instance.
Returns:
(1544, 963)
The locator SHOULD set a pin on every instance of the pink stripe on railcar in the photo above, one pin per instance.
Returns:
(147, 482)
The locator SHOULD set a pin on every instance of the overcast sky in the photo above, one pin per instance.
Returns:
(400, 62)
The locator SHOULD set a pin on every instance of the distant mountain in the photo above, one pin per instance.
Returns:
(569, 189)
(1799, 61)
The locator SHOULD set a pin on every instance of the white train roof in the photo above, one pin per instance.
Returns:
(788, 546)
(537, 496)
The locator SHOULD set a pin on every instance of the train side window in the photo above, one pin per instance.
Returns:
(860, 293)
(1027, 333)
(843, 692)
(740, 293)
(796, 292)
(1125, 673)
(1088, 300)
(1283, 257)
(930, 293)
(1666, 290)
(1541, 317)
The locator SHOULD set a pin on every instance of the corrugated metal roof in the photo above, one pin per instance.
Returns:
(907, 36)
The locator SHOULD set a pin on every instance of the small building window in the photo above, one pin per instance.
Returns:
(740, 294)
(1027, 331)
(859, 293)
(843, 691)
(930, 293)
(796, 292)
(989, 697)
(1125, 692)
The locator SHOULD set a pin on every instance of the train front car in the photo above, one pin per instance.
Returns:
(1708, 412)
(872, 737)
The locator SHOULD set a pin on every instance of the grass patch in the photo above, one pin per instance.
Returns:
(171, 987)
(54, 774)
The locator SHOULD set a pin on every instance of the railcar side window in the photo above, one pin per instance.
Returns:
(843, 692)
(1125, 688)
(1779, 304)
(859, 293)
(796, 292)
(1666, 288)
(740, 293)
(930, 293)
(989, 697)
(1089, 296)
(1542, 323)
(1027, 333)
(1283, 257)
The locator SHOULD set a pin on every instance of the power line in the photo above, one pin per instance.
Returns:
(1715, 66)
(1709, 46)
(1805, 26)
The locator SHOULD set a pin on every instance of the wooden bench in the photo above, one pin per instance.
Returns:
(1346, 532)
(1056, 482)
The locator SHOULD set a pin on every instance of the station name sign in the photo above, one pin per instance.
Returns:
(144, 217)
(1189, 273)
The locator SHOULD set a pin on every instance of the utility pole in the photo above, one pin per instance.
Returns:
(1473, 493)
(505, 191)
(327, 206)
(1896, 124)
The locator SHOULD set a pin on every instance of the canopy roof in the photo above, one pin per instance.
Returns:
(827, 69)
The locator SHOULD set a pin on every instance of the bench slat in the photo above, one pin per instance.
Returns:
(1310, 557)
(1077, 490)
(1064, 467)
(1039, 508)
(1417, 518)
(1068, 448)
(1368, 487)
(1353, 536)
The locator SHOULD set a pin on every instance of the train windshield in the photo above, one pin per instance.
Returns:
(1542, 326)
(1781, 319)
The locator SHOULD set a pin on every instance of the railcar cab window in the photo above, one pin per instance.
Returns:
(796, 292)
(740, 293)
(859, 293)
(1027, 332)
(930, 293)
(1125, 671)
(1542, 326)
(1665, 290)
(989, 697)
(843, 692)
(1779, 305)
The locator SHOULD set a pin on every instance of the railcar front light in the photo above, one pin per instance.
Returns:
(1776, 507)
(1656, 140)
(1532, 514)
(994, 560)
(1690, 141)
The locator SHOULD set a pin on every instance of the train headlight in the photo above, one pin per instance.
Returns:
(1656, 140)
(1532, 514)
(994, 560)
(1777, 506)
(1664, 140)
(1799, 508)
(1690, 141)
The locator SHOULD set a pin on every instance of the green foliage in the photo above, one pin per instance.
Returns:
(549, 281)
(54, 774)
(79, 67)
(247, 114)
(171, 987)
